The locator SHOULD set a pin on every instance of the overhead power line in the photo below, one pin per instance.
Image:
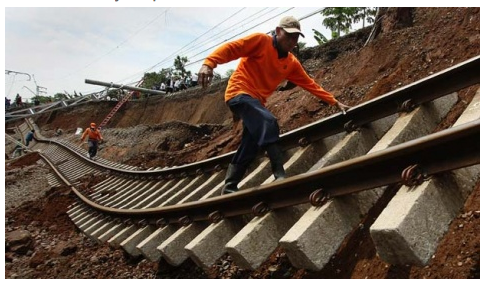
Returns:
(171, 57)
(118, 45)
(193, 45)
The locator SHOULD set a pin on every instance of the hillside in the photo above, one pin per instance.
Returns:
(188, 127)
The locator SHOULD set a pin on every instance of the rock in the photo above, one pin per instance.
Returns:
(65, 248)
(19, 241)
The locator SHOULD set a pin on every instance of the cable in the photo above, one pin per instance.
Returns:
(11, 85)
(180, 50)
(170, 57)
(120, 44)
(216, 36)
(222, 41)
(229, 29)
(300, 19)
(236, 36)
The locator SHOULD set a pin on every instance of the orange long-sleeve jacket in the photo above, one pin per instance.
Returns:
(92, 134)
(260, 70)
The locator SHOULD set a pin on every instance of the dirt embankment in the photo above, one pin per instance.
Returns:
(167, 131)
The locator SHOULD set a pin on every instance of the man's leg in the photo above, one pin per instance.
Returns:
(95, 149)
(91, 147)
(245, 154)
(234, 174)
(263, 127)
(276, 160)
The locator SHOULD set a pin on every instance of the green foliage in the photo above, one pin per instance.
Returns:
(44, 99)
(179, 66)
(229, 72)
(340, 19)
(216, 76)
(319, 37)
(365, 14)
(155, 78)
(59, 97)
(150, 79)
(301, 45)
(115, 93)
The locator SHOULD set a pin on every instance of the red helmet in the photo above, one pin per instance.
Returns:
(93, 124)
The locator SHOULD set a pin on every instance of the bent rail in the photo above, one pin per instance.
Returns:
(434, 154)
(146, 212)
(445, 82)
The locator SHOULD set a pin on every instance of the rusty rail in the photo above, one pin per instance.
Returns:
(433, 154)
(445, 82)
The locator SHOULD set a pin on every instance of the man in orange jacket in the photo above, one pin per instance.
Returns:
(265, 62)
(94, 138)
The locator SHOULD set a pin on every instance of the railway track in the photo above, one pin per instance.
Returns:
(339, 168)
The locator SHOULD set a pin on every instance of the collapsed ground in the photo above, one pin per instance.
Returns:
(168, 131)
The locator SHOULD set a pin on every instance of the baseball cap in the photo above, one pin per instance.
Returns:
(290, 25)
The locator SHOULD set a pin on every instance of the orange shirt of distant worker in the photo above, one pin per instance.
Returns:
(92, 133)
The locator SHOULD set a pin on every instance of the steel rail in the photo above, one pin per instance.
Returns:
(406, 98)
(440, 152)
(427, 89)
(58, 173)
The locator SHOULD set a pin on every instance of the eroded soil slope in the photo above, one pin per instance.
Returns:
(183, 128)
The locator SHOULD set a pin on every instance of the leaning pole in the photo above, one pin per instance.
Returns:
(124, 87)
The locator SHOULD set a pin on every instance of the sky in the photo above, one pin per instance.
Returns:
(56, 49)
(52, 50)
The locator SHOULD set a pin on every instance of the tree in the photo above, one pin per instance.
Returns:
(338, 19)
(150, 79)
(59, 97)
(179, 65)
(114, 93)
(365, 14)
(165, 74)
(320, 38)
(44, 99)
(155, 78)
(397, 18)
(229, 72)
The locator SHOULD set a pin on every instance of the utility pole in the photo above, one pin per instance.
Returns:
(39, 89)
(29, 90)
(8, 72)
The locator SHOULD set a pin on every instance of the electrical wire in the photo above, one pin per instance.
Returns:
(170, 58)
(219, 43)
(192, 45)
(118, 45)
(271, 18)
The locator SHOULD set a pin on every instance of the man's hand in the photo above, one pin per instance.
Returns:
(205, 76)
(342, 107)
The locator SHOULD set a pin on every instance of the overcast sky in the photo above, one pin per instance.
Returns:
(61, 47)
(118, 41)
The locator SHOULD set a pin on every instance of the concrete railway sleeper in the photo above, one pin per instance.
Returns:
(333, 181)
